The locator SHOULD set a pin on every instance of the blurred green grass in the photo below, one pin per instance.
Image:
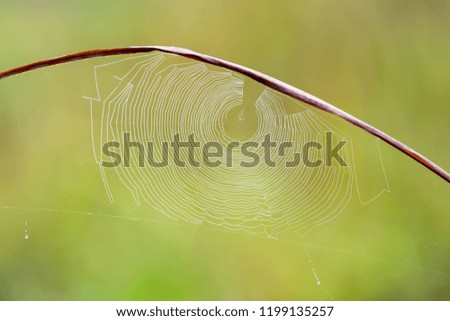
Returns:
(385, 62)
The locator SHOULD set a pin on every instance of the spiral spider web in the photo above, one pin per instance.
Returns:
(160, 96)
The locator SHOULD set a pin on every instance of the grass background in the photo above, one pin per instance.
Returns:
(385, 62)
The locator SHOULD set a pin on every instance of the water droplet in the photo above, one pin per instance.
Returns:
(26, 230)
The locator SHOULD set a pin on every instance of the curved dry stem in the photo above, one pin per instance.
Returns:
(258, 76)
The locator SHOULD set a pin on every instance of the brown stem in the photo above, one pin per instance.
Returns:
(258, 76)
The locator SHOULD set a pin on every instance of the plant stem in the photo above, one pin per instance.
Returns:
(258, 76)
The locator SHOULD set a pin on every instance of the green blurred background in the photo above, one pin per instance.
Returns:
(385, 62)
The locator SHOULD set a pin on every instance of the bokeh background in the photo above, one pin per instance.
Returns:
(386, 62)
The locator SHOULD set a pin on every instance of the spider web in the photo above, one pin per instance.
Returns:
(154, 97)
